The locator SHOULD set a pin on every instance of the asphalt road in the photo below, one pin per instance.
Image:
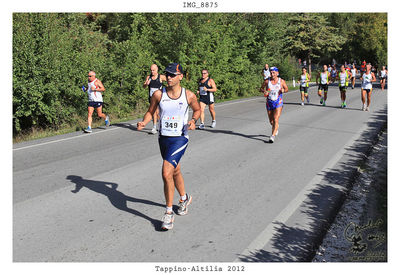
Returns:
(99, 197)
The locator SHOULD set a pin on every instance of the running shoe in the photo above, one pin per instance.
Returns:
(154, 130)
(323, 104)
(302, 104)
(107, 121)
(364, 107)
(88, 130)
(201, 126)
(183, 205)
(308, 99)
(367, 109)
(344, 105)
(213, 124)
(271, 139)
(167, 221)
(321, 101)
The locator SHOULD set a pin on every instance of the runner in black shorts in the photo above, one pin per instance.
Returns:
(304, 79)
(207, 88)
(383, 76)
(154, 82)
(323, 79)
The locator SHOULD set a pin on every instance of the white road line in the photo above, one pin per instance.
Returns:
(267, 234)
(63, 139)
(58, 140)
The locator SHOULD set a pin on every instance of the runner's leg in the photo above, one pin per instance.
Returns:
(90, 113)
(169, 186)
(212, 111)
(276, 114)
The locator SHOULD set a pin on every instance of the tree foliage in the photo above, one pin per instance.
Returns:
(52, 53)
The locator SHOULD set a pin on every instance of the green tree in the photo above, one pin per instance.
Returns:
(309, 36)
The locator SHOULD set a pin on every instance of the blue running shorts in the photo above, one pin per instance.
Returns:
(274, 104)
(172, 148)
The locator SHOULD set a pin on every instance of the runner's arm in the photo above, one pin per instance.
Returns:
(194, 104)
(263, 87)
(99, 86)
(284, 86)
(163, 77)
(373, 77)
(213, 87)
(148, 116)
(146, 82)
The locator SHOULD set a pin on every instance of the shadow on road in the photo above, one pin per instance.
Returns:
(326, 106)
(117, 198)
(229, 132)
(299, 244)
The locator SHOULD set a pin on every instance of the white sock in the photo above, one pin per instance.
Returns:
(168, 209)
(183, 198)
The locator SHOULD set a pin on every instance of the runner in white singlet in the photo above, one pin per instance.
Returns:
(173, 102)
(343, 78)
(304, 80)
(383, 77)
(273, 89)
(366, 86)
(323, 79)
(353, 76)
(95, 90)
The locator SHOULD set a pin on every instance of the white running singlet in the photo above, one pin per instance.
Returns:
(94, 96)
(274, 90)
(343, 79)
(367, 81)
(324, 78)
(303, 80)
(173, 114)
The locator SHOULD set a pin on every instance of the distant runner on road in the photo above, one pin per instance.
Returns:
(207, 88)
(173, 102)
(265, 72)
(154, 82)
(353, 76)
(343, 78)
(273, 89)
(304, 79)
(383, 77)
(323, 79)
(94, 90)
(366, 87)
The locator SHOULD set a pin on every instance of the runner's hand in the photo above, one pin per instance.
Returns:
(191, 125)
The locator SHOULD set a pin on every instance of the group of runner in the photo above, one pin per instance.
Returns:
(346, 76)
(169, 105)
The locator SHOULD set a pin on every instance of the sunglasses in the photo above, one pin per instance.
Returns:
(171, 75)
(90, 75)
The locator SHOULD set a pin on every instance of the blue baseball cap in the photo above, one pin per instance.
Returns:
(275, 69)
(174, 68)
